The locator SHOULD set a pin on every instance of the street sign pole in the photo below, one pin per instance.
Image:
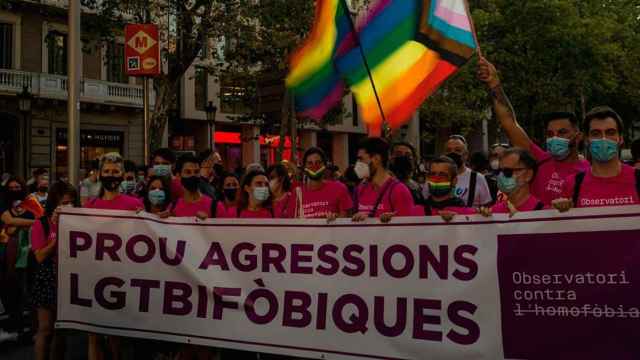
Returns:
(147, 120)
(142, 58)
(73, 104)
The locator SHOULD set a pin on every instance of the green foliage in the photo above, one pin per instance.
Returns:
(552, 55)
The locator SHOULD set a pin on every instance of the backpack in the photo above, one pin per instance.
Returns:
(580, 179)
(472, 188)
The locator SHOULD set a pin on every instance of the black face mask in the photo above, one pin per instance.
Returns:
(230, 194)
(457, 158)
(43, 189)
(402, 167)
(111, 183)
(190, 183)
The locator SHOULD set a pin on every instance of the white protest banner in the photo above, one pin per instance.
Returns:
(538, 285)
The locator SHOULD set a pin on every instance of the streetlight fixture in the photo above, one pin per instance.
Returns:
(24, 101)
(24, 105)
(211, 111)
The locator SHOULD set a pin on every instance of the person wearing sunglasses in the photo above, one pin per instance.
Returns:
(608, 182)
(561, 160)
(517, 171)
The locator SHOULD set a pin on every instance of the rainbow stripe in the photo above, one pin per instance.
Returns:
(313, 78)
(412, 47)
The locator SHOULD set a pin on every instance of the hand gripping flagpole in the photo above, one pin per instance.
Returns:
(384, 126)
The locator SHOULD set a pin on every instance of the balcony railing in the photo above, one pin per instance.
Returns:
(56, 87)
(126, 14)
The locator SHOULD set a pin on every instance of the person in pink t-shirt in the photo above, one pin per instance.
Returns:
(157, 196)
(228, 207)
(317, 197)
(44, 246)
(280, 185)
(192, 203)
(110, 198)
(608, 182)
(563, 138)
(381, 195)
(111, 175)
(164, 161)
(517, 171)
(254, 201)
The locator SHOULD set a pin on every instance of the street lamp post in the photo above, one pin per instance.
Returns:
(211, 111)
(24, 105)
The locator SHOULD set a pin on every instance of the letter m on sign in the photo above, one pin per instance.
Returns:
(140, 42)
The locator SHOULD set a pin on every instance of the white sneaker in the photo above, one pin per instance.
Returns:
(7, 336)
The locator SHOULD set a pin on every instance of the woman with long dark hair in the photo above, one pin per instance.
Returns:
(157, 195)
(44, 246)
(254, 201)
(280, 186)
(230, 190)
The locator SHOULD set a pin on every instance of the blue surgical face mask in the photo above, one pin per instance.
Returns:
(162, 170)
(261, 193)
(507, 185)
(156, 197)
(603, 150)
(127, 186)
(558, 147)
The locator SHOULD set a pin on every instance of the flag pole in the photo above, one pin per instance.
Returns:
(473, 28)
(366, 65)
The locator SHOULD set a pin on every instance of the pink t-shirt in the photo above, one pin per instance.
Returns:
(39, 239)
(260, 214)
(224, 212)
(331, 197)
(531, 204)
(552, 175)
(120, 202)
(598, 191)
(176, 188)
(397, 198)
(184, 209)
(285, 207)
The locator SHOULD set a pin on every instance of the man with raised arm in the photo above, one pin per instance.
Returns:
(563, 137)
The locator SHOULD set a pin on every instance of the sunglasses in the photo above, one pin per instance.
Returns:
(509, 172)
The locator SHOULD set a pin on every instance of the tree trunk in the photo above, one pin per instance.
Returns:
(165, 99)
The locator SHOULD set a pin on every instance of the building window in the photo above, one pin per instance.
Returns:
(201, 87)
(115, 63)
(234, 97)
(57, 52)
(6, 46)
(93, 144)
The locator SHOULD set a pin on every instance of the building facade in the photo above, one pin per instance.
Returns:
(33, 58)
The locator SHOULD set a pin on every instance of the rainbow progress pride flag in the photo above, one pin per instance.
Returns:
(313, 79)
(411, 46)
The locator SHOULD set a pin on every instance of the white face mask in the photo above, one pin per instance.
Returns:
(495, 164)
(362, 170)
(261, 193)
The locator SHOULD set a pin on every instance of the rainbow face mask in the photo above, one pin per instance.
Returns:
(315, 175)
(439, 186)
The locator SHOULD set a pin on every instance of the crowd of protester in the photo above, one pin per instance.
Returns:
(386, 181)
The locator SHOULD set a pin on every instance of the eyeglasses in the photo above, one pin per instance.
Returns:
(509, 172)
